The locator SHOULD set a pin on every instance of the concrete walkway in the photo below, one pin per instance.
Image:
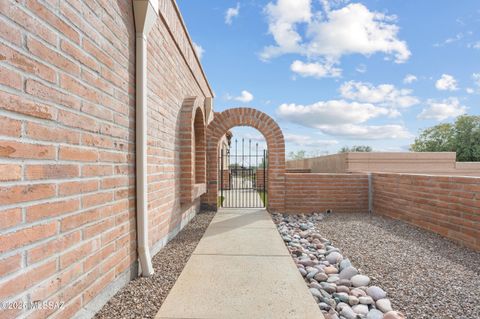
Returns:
(240, 269)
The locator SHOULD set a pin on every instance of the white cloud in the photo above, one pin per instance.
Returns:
(470, 90)
(362, 68)
(199, 50)
(232, 13)
(308, 141)
(385, 95)
(328, 112)
(409, 78)
(316, 69)
(367, 132)
(244, 97)
(442, 110)
(446, 83)
(329, 35)
(476, 79)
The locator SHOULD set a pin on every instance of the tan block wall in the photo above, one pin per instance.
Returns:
(314, 192)
(67, 131)
(446, 205)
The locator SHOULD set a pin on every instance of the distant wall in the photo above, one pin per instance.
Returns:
(313, 192)
(400, 162)
(446, 205)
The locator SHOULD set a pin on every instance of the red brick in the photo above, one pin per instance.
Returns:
(79, 55)
(77, 220)
(79, 253)
(52, 209)
(54, 246)
(21, 105)
(54, 171)
(25, 193)
(26, 236)
(46, 54)
(10, 78)
(52, 133)
(96, 170)
(10, 217)
(72, 188)
(46, 15)
(50, 94)
(10, 172)
(68, 153)
(96, 199)
(10, 264)
(77, 120)
(23, 281)
(10, 127)
(9, 32)
(26, 64)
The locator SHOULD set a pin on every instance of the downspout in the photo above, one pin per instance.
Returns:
(146, 13)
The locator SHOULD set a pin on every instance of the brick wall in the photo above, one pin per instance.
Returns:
(67, 131)
(317, 192)
(447, 205)
(261, 178)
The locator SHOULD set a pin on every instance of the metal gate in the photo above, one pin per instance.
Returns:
(243, 176)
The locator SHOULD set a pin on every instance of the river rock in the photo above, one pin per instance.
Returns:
(394, 315)
(374, 314)
(334, 257)
(366, 300)
(348, 313)
(315, 292)
(360, 280)
(384, 305)
(344, 264)
(376, 293)
(348, 272)
(343, 289)
(321, 276)
(330, 270)
(360, 309)
(330, 288)
(352, 300)
(357, 292)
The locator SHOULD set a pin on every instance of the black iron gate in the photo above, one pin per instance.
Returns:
(243, 176)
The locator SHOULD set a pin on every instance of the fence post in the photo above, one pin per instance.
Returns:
(370, 195)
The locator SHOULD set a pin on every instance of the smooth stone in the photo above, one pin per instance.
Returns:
(330, 288)
(321, 277)
(324, 306)
(330, 316)
(352, 300)
(344, 282)
(334, 257)
(360, 309)
(302, 271)
(315, 285)
(312, 273)
(332, 279)
(384, 305)
(342, 296)
(366, 300)
(374, 314)
(360, 280)
(357, 292)
(315, 292)
(348, 272)
(344, 264)
(330, 270)
(341, 305)
(376, 292)
(393, 315)
(348, 313)
(343, 289)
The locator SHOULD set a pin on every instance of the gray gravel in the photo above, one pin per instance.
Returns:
(142, 297)
(424, 274)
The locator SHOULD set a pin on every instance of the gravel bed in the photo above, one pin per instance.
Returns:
(142, 297)
(424, 274)
(421, 274)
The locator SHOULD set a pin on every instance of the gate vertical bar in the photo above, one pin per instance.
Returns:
(264, 177)
(221, 179)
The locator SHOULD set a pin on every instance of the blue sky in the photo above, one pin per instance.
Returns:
(336, 73)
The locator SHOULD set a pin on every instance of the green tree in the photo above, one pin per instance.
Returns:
(301, 154)
(355, 148)
(438, 138)
(462, 137)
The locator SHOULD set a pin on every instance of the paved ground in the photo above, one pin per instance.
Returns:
(240, 269)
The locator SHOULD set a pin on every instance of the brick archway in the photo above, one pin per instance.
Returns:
(228, 119)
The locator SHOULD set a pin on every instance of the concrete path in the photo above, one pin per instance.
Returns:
(240, 269)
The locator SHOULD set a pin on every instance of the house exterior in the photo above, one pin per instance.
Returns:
(71, 79)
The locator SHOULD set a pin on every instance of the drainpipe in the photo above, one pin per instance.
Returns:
(146, 13)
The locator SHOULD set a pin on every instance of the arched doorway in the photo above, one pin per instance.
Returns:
(228, 119)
